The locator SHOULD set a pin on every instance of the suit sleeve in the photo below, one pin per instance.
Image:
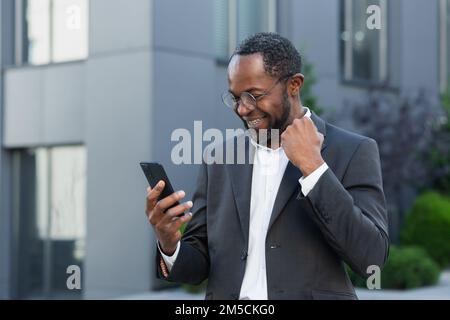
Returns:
(352, 214)
(192, 263)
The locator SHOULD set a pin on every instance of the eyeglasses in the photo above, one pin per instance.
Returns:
(247, 99)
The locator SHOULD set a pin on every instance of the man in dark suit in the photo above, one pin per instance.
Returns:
(283, 225)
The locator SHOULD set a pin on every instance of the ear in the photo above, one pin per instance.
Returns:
(295, 84)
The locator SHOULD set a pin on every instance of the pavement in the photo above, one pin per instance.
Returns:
(441, 291)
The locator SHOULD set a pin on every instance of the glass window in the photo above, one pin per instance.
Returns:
(51, 206)
(363, 50)
(237, 19)
(56, 30)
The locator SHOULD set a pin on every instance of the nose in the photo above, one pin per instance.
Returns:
(242, 110)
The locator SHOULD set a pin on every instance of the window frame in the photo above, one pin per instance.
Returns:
(46, 289)
(346, 61)
(21, 42)
(233, 28)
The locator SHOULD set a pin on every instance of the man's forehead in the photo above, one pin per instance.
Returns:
(247, 73)
(246, 66)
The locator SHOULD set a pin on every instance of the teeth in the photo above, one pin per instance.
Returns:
(254, 122)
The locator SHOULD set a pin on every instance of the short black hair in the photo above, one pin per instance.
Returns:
(281, 58)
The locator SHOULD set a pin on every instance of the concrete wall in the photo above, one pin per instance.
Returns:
(419, 45)
(118, 123)
(188, 81)
(44, 105)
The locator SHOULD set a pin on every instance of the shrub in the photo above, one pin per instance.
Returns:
(428, 226)
(406, 268)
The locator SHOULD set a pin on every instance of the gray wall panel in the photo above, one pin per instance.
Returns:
(185, 26)
(118, 25)
(118, 137)
(24, 106)
(44, 105)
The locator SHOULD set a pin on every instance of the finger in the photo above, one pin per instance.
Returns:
(321, 138)
(152, 198)
(155, 192)
(310, 123)
(178, 210)
(181, 220)
(169, 201)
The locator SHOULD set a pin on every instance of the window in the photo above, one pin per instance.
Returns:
(363, 51)
(50, 210)
(237, 19)
(444, 48)
(53, 31)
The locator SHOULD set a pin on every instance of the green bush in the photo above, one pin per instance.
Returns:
(406, 268)
(196, 289)
(428, 226)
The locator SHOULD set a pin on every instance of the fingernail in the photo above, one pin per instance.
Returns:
(181, 193)
(189, 204)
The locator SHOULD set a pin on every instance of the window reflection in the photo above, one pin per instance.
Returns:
(38, 30)
(363, 51)
(57, 30)
(70, 27)
(52, 210)
(236, 19)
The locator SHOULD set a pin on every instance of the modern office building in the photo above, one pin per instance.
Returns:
(89, 88)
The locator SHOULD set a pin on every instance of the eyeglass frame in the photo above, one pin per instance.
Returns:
(255, 99)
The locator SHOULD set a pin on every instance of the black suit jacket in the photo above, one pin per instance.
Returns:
(343, 219)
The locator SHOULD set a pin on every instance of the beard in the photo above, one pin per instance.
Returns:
(277, 125)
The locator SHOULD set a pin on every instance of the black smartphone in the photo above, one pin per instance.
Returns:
(154, 172)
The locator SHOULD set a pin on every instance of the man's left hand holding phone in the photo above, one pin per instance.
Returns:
(166, 215)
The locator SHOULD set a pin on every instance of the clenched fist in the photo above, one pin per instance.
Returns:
(165, 218)
(302, 144)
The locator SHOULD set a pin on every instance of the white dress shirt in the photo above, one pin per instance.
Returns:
(268, 170)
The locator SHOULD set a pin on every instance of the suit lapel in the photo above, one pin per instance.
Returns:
(241, 182)
(321, 127)
(290, 181)
(288, 185)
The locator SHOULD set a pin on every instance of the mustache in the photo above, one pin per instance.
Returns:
(252, 116)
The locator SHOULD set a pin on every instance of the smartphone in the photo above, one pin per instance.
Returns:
(154, 172)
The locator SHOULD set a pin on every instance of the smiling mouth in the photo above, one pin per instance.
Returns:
(255, 122)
